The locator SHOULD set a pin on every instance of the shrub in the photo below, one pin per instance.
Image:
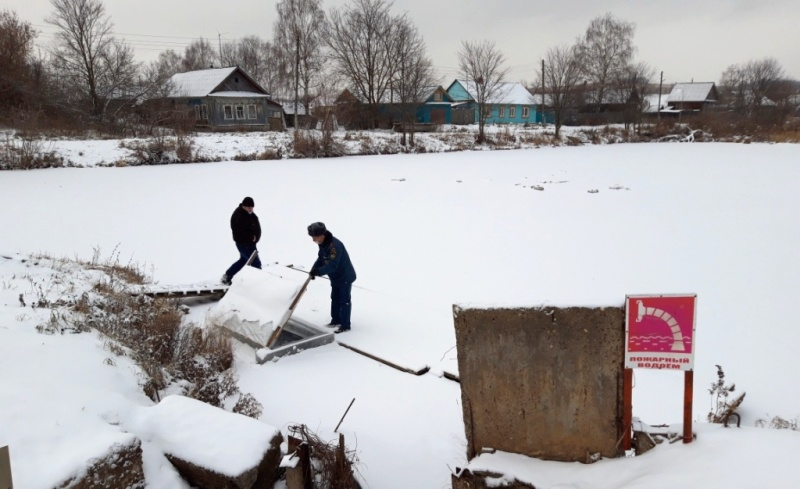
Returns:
(721, 409)
(26, 153)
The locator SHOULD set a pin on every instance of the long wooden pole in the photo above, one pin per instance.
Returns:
(688, 387)
(287, 314)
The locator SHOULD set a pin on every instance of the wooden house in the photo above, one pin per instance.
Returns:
(693, 97)
(226, 99)
(437, 107)
(511, 103)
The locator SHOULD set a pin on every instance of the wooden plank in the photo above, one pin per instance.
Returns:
(384, 361)
(288, 314)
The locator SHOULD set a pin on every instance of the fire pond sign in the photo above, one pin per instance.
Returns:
(659, 331)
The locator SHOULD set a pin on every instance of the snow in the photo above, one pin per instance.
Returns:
(191, 430)
(200, 83)
(256, 302)
(424, 232)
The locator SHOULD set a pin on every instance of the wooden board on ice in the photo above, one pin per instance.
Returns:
(256, 302)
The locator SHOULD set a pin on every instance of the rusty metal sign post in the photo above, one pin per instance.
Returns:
(659, 334)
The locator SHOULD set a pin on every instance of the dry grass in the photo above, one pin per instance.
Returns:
(779, 423)
(332, 464)
(316, 144)
(26, 153)
(148, 330)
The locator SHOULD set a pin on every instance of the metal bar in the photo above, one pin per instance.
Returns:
(688, 387)
(345, 414)
(252, 257)
(627, 407)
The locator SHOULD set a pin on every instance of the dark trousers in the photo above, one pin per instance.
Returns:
(341, 303)
(245, 250)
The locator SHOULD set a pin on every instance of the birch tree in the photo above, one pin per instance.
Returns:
(605, 52)
(298, 39)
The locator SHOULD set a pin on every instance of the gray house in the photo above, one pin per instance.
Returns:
(226, 99)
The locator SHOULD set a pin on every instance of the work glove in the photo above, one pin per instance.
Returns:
(314, 273)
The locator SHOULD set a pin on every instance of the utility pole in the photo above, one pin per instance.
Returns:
(660, 84)
(219, 43)
(542, 112)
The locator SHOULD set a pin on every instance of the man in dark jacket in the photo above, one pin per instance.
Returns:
(333, 261)
(246, 233)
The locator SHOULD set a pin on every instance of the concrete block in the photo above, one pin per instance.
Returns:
(543, 382)
(263, 475)
(5, 469)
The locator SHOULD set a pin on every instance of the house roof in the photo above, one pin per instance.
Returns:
(202, 83)
(512, 93)
(288, 108)
(238, 94)
(692, 92)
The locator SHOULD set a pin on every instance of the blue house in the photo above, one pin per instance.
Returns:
(437, 108)
(511, 104)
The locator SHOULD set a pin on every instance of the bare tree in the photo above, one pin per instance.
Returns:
(605, 50)
(562, 74)
(161, 69)
(255, 56)
(89, 62)
(415, 76)
(749, 85)
(198, 55)
(361, 40)
(298, 38)
(631, 85)
(16, 70)
(481, 65)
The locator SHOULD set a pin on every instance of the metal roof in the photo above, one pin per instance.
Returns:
(512, 93)
(691, 92)
(198, 83)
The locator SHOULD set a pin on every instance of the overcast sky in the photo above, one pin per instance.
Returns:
(688, 40)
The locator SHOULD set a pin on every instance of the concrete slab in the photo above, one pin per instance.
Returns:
(542, 382)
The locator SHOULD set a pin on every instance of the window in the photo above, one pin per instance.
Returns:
(197, 112)
(240, 111)
(274, 114)
(251, 111)
(501, 112)
(228, 112)
(512, 112)
(526, 112)
(437, 97)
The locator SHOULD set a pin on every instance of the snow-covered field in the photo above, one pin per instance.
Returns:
(425, 232)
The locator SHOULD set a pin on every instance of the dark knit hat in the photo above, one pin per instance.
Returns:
(248, 202)
(316, 229)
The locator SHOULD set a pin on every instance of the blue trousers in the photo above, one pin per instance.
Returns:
(245, 250)
(341, 305)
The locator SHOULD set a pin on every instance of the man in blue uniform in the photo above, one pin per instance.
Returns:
(246, 232)
(333, 261)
